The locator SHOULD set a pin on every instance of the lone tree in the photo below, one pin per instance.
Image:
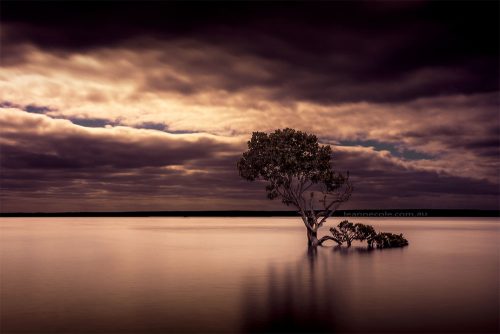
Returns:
(297, 170)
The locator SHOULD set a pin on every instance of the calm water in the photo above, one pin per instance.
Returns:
(243, 275)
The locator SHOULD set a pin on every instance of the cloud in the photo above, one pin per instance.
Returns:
(167, 97)
(321, 53)
(54, 143)
(52, 164)
(384, 181)
(442, 132)
(53, 161)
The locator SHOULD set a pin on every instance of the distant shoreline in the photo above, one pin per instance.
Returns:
(395, 213)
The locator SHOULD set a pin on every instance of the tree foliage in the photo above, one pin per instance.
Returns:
(347, 232)
(388, 240)
(288, 156)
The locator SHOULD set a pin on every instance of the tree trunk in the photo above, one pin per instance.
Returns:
(312, 238)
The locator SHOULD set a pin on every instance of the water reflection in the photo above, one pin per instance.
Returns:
(363, 250)
(359, 290)
(296, 298)
(251, 275)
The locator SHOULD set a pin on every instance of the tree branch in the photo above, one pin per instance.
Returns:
(327, 213)
(340, 198)
(328, 237)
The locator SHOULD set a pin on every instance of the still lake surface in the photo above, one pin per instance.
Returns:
(174, 275)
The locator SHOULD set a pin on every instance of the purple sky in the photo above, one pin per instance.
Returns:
(147, 106)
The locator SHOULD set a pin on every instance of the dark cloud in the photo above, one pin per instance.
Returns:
(381, 180)
(325, 52)
(55, 162)
(45, 143)
(482, 143)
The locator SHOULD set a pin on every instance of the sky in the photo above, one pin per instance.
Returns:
(129, 106)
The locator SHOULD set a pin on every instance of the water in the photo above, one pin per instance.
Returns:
(109, 275)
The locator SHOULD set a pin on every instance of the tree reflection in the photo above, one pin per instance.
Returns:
(297, 297)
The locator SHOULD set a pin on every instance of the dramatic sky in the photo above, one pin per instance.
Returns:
(147, 106)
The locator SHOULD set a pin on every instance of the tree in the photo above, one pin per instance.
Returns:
(347, 232)
(387, 240)
(297, 170)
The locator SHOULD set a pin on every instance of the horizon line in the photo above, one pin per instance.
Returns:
(353, 213)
